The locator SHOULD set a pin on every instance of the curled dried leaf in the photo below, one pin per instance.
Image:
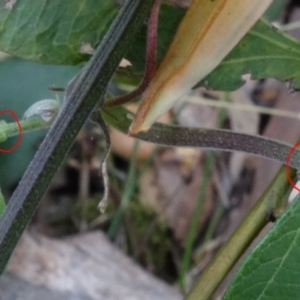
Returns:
(207, 33)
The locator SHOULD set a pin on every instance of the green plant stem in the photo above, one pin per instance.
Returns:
(218, 213)
(129, 190)
(275, 195)
(2, 204)
(198, 254)
(11, 129)
(84, 94)
(195, 220)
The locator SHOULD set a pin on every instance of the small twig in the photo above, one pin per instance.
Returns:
(243, 107)
(289, 26)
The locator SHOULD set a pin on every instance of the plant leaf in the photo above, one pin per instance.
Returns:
(59, 33)
(54, 31)
(264, 52)
(218, 139)
(272, 270)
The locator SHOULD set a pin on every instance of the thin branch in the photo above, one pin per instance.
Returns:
(242, 107)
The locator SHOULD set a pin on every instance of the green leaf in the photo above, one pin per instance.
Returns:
(54, 31)
(264, 52)
(272, 270)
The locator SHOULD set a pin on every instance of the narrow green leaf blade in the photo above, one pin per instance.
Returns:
(177, 136)
(272, 270)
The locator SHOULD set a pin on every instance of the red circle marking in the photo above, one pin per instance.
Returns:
(287, 169)
(17, 144)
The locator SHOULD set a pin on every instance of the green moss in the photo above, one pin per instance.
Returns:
(154, 237)
(88, 210)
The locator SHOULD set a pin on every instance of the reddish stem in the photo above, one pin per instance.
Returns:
(150, 60)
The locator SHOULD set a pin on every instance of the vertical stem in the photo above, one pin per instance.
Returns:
(129, 190)
(195, 220)
(255, 221)
(2, 204)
